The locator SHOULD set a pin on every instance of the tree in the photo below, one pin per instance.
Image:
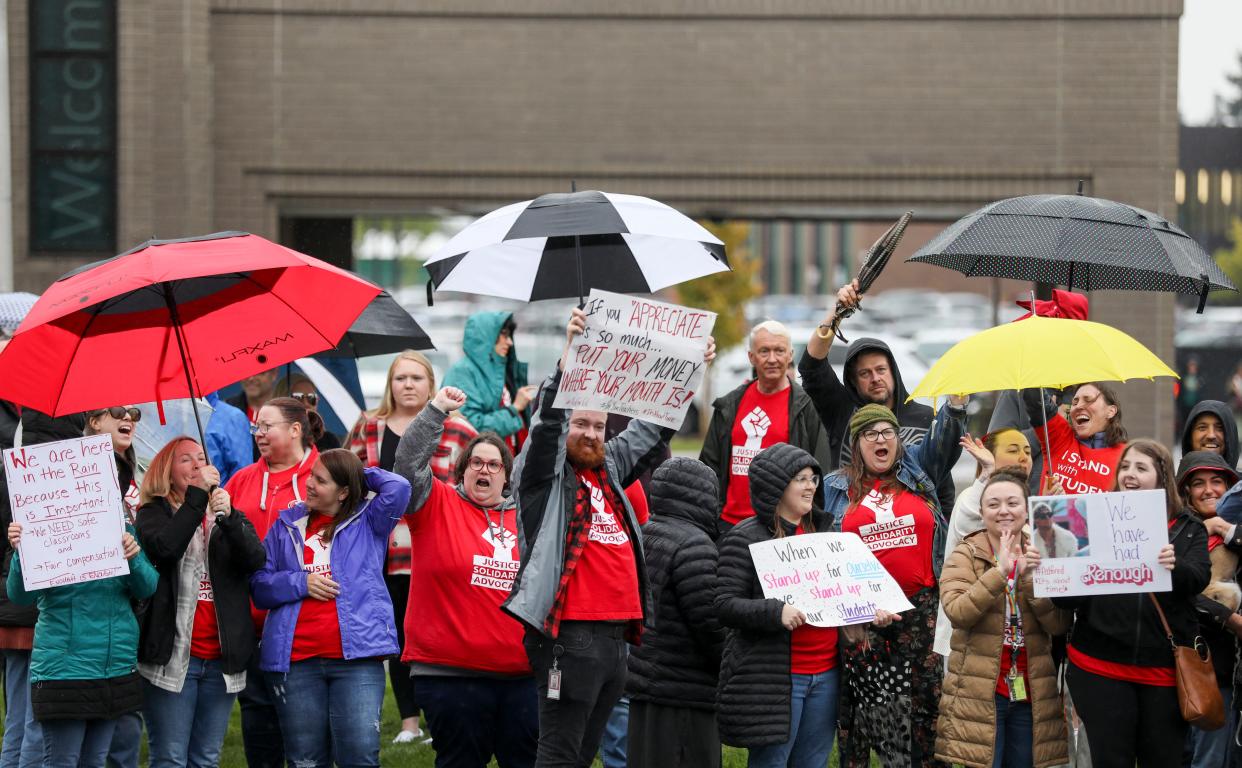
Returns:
(1229, 107)
(1230, 261)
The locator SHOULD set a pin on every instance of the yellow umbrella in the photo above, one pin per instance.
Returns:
(1049, 352)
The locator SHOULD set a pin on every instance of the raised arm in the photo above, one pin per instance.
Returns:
(965, 597)
(418, 445)
(942, 446)
(392, 497)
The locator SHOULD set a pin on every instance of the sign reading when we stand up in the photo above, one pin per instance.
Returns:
(637, 357)
(66, 497)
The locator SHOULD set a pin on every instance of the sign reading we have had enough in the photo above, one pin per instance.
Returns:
(832, 577)
(1124, 533)
(66, 497)
(637, 357)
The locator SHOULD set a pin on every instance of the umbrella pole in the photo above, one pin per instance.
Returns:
(185, 362)
(1047, 439)
(578, 257)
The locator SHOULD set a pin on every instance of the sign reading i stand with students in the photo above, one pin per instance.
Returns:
(832, 577)
(66, 497)
(637, 357)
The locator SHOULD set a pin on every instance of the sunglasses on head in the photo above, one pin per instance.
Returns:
(119, 412)
(310, 398)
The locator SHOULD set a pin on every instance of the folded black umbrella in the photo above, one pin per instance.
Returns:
(383, 328)
(1079, 242)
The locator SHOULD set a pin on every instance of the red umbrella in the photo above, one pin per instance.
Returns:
(176, 318)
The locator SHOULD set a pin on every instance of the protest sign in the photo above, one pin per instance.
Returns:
(832, 577)
(1124, 533)
(637, 357)
(66, 497)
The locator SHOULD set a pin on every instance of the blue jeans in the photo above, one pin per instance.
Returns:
(616, 735)
(187, 728)
(260, 726)
(812, 725)
(1013, 734)
(1211, 748)
(126, 741)
(77, 743)
(473, 718)
(330, 711)
(23, 735)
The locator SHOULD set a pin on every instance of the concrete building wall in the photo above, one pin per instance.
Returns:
(234, 113)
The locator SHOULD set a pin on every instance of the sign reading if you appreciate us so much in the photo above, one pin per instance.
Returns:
(66, 498)
(1120, 536)
(832, 577)
(637, 357)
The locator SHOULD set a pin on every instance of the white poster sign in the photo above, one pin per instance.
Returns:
(637, 357)
(1120, 536)
(832, 577)
(66, 497)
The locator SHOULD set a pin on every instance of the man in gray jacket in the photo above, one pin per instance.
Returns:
(582, 588)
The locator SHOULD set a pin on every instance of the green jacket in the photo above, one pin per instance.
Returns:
(86, 631)
(482, 375)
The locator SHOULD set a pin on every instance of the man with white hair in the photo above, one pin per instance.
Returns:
(766, 410)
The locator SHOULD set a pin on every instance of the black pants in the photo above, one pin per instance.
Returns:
(261, 739)
(398, 671)
(1126, 722)
(591, 658)
(672, 737)
(474, 718)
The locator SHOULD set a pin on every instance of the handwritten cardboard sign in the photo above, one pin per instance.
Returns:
(832, 577)
(637, 357)
(66, 497)
(1124, 533)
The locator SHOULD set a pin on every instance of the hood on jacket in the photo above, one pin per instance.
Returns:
(861, 346)
(1196, 461)
(1221, 411)
(479, 339)
(686, 489)
(770, 473)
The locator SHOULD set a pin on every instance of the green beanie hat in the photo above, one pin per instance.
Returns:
(867, 415)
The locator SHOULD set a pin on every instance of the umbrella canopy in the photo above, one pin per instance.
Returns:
(1039, 352)
(383, 328)
(563, 245)
(1078, 242)
(176, 318)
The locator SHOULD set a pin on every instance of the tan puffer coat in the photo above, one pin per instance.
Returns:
(972, 591)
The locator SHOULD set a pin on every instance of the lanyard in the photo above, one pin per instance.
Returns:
(1013, 613)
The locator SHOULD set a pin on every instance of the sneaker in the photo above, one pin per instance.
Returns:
(408, 737)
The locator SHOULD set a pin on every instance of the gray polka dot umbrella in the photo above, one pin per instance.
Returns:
(1078, 242)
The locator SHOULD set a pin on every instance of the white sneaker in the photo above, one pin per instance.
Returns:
(408, 737)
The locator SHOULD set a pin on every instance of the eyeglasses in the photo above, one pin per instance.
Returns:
(874, 435)
(812, 480)
(310, 398)
(479, 465)
(119, 412)
(263, 429)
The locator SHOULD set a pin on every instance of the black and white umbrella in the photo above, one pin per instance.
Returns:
(562, 245)
(1080, 242)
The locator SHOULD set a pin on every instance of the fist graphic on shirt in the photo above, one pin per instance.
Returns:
(755, 424)
(597, 500)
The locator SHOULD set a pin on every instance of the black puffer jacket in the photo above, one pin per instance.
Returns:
(753, 700)
(1126, 628)
(679, 660)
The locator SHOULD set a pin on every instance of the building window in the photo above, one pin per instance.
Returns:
(1179, 186)
(1203, 186)
(1226, 188)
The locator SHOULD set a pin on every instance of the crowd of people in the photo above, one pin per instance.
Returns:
(533, 581)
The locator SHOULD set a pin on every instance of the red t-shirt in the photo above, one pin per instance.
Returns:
(1082, 469)
(638, 500)
(898, 529)
(463, 561)
(318, 631)
(205, 637)
(604, 584)
(762, 420)
(812, 650)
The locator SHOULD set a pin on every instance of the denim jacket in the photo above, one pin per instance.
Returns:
(359, 545)
(918, 466)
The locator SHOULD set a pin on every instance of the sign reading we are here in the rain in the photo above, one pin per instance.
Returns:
(638, 358)
(66, 498)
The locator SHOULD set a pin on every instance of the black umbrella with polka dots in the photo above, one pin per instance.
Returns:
(1079, 242)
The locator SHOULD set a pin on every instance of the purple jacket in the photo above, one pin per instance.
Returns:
(359, 546)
